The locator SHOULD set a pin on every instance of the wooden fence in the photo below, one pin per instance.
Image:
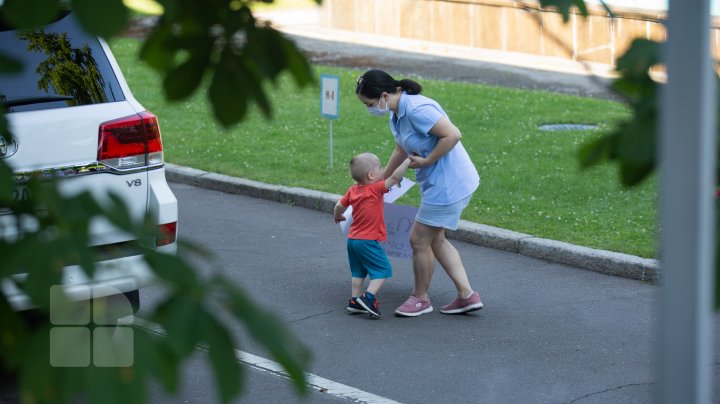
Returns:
(517, 26)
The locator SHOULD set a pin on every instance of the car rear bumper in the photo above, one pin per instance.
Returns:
(114, 276)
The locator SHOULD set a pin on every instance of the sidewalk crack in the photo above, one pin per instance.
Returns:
(311, 316)
(611, 389)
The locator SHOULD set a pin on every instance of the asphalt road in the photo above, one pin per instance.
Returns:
(548, 334)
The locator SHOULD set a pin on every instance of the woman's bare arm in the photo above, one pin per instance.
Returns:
(449, 135)
(396, 158)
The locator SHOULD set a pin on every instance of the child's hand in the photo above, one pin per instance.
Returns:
(417, 161)
(339, 218)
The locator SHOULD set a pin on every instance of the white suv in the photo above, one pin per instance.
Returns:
(73, 116)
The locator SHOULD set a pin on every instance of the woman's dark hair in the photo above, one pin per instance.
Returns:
(375, 82)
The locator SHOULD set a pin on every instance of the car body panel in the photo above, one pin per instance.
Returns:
(56, 107)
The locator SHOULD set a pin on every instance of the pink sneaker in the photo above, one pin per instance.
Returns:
(463, 305)
(414, 306)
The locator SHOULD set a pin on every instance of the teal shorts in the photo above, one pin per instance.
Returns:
(367, 258)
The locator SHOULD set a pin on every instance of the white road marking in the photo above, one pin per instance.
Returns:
(320, 383)
(315, 382)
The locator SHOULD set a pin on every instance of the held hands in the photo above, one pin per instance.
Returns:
(417, 161)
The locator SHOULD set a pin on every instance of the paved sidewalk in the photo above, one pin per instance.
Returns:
(606, 262)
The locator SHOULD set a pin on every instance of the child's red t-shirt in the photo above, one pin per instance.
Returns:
(368, 211)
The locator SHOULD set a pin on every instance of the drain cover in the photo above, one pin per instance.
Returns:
(558, 127)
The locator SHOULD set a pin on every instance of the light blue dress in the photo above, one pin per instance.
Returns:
(453, 177)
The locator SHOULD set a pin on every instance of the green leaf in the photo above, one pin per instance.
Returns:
(38, 379)
(156, 50)
(639, 58)
(266, 328)
(6, 183)
(29, 14)
(607, 9)
(297, 64)
(184, 319)
(173, 270)
(257, 93)
(633, 88)
(637, 140)
(182, 80)
(633, 174)
(116, 211)
(80, 207)
(13, 335)
(154, 357)
(105, 18)
(264, 60)
(115, 385)
(564, 6)
(44, 273)
(40, 382)
(596, 151)
(581, 5)
(5, 131)
(221, 352)
(9, 64)
(226, 84)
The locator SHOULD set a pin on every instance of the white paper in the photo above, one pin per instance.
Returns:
(345, 225)
(398, 190)
(398, 221)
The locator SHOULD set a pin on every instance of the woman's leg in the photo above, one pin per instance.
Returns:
(421, 240)
(449, 259)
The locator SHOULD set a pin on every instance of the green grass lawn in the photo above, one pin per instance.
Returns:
(530, 179)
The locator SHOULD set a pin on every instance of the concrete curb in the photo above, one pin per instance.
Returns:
(606, 262)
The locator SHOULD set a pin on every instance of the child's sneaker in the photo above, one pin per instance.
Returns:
(414, 306)
(354, 307)
(463, 305)
(369, 303)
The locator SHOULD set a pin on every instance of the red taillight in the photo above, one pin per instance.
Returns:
(130, 142)
(166, 234)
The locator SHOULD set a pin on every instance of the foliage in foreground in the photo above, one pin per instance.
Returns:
(192, 41)
(633, 146)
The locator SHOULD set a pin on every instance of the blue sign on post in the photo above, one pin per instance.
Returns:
(329, 96)
(330, 103)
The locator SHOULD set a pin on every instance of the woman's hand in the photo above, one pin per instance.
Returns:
(417, 161)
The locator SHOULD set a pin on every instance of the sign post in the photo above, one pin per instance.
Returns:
(329, 103)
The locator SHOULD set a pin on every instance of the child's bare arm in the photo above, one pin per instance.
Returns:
(397, 176)
(339, 210)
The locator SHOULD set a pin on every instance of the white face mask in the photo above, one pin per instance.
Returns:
(377, 111)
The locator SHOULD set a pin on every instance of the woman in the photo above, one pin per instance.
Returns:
(447, 181)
